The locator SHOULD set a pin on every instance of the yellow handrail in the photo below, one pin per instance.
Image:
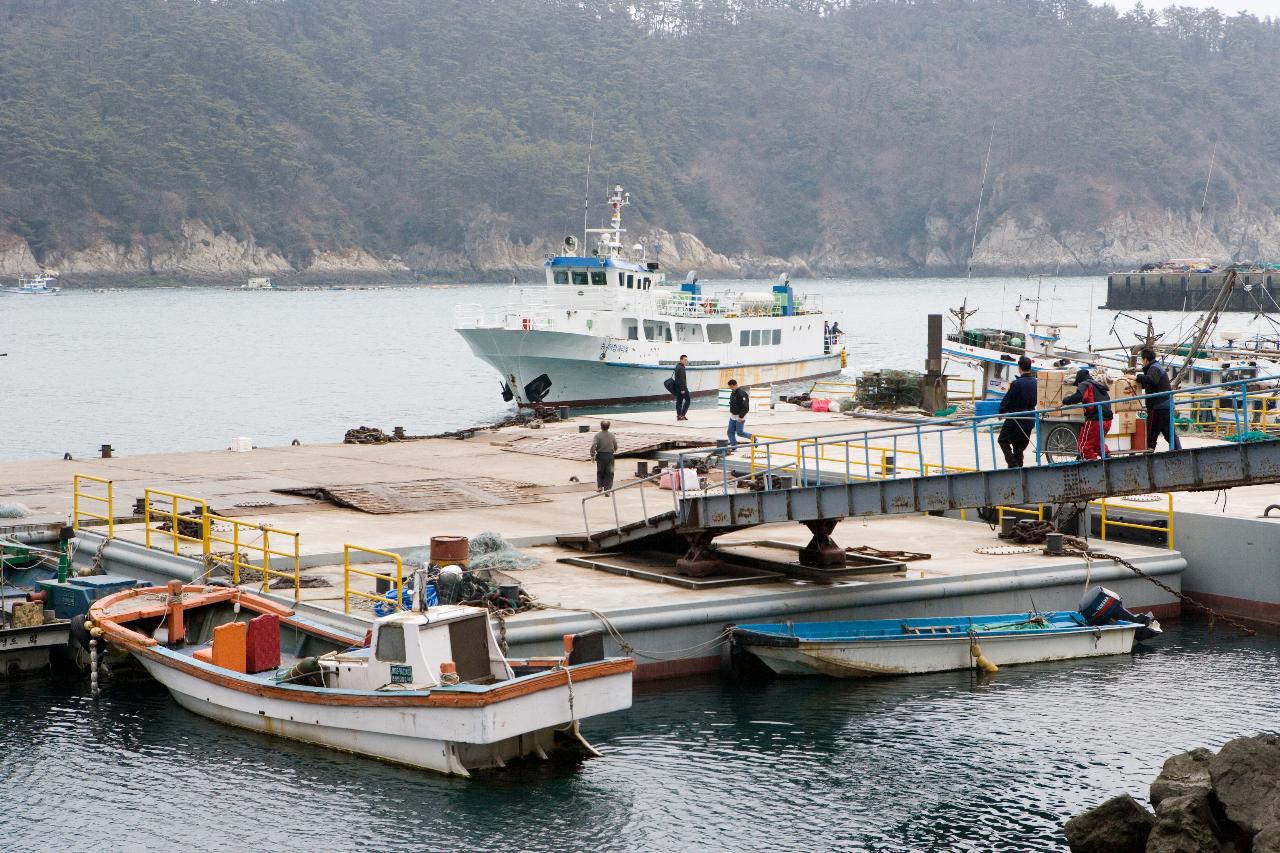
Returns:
(962, 397)
(78, 495)
(1038, 512)
(348, 571)
(1166, 513)
(174, 518)
(237, 542)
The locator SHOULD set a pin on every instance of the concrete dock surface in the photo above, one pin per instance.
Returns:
(488, 482)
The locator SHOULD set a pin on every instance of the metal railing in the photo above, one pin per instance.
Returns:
(396, 580)
(860, 454)
(176, 519)
(78, 495)
(1037, 513)
(954, 395)
(1113, 504)
(242, 537)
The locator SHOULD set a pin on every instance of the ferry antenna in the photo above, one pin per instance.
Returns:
(586, 194)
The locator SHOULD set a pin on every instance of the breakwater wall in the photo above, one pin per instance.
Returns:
(1173, 291)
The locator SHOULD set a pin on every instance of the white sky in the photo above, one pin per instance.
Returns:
(1261, 8)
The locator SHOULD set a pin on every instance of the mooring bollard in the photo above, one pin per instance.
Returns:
(398, 432)
(1006, 526)
(106, 451)
(642, 468)
(1053, 544)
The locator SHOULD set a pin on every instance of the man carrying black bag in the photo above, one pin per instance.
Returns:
(678, 384)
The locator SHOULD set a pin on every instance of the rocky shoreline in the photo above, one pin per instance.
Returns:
(1204, 802)
(198, 253)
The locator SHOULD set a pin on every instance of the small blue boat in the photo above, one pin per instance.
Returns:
(864, 648)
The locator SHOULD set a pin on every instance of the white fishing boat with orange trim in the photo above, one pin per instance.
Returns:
(430, 688)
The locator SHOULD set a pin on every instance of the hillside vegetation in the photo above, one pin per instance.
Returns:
(847, 135)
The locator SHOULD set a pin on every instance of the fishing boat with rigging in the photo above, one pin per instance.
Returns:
(606, 327)
(34, 285)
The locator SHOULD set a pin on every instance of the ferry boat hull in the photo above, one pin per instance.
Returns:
(590, 371)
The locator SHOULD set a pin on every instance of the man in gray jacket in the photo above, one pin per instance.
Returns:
(603, 448)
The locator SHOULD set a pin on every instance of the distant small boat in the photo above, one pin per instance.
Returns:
(865, 648)
(35, 285)
(428, 689)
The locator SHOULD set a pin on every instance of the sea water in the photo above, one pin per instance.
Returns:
(153, 370)
(950, 761)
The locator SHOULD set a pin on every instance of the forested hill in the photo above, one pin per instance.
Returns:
(452, 135)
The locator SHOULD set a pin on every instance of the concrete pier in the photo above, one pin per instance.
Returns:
(529, 485)
(1170, 291)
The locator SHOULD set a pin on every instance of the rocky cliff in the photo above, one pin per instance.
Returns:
(1012, 244)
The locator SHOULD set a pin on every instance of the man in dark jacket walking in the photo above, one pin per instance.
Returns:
(1154, 380)
(683, 398)
(739, 405)
(1097, 419)
(1015, 435)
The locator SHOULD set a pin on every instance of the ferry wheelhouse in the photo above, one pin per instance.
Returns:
(608, 328)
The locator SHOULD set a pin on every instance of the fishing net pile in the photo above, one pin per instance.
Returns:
(488, 550)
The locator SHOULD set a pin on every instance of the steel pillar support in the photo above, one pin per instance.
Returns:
(822, 550)
(699, 561)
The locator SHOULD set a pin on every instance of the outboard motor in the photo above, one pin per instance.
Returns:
(1101, 606)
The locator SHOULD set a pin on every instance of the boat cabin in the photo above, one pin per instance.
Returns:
(408, 651)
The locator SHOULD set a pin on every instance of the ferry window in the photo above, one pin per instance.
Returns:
(390, 643)
(598, 277)
(622, 280)
(631, 281)
(657, 331)
(630, 329)
(719, 333)
(562, 277)
(579, 277)
(755, 337)
(777, 337)
(646, 284)
(744, 338)
(688, 333)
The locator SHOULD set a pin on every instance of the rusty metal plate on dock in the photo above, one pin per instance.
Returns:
(435, 495)
(660, 568)
(576, 446)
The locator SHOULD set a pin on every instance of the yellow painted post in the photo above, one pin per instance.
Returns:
(75, 502)
(266, 557)
(346, 578)
(1102, 526)
(146, 515)
(235, 553)
(297, 568)
(1169, 537)
(111, 511)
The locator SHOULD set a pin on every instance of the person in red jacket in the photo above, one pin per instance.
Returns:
(1097, 419)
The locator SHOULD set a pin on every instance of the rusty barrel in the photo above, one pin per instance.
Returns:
(449, 550)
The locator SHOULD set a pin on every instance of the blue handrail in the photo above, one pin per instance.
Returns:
(942, 427)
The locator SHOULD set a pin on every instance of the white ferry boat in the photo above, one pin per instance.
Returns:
(607, 328)
(34, 285)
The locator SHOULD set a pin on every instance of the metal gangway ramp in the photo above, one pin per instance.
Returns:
(863, 473)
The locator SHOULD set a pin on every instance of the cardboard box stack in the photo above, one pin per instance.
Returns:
(1126, 411)
(1051, 387)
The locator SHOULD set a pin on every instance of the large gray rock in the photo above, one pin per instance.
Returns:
(1120, 825)
(1268, 840)
(1186, 824)
(1184, 773)
(1246, 781)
